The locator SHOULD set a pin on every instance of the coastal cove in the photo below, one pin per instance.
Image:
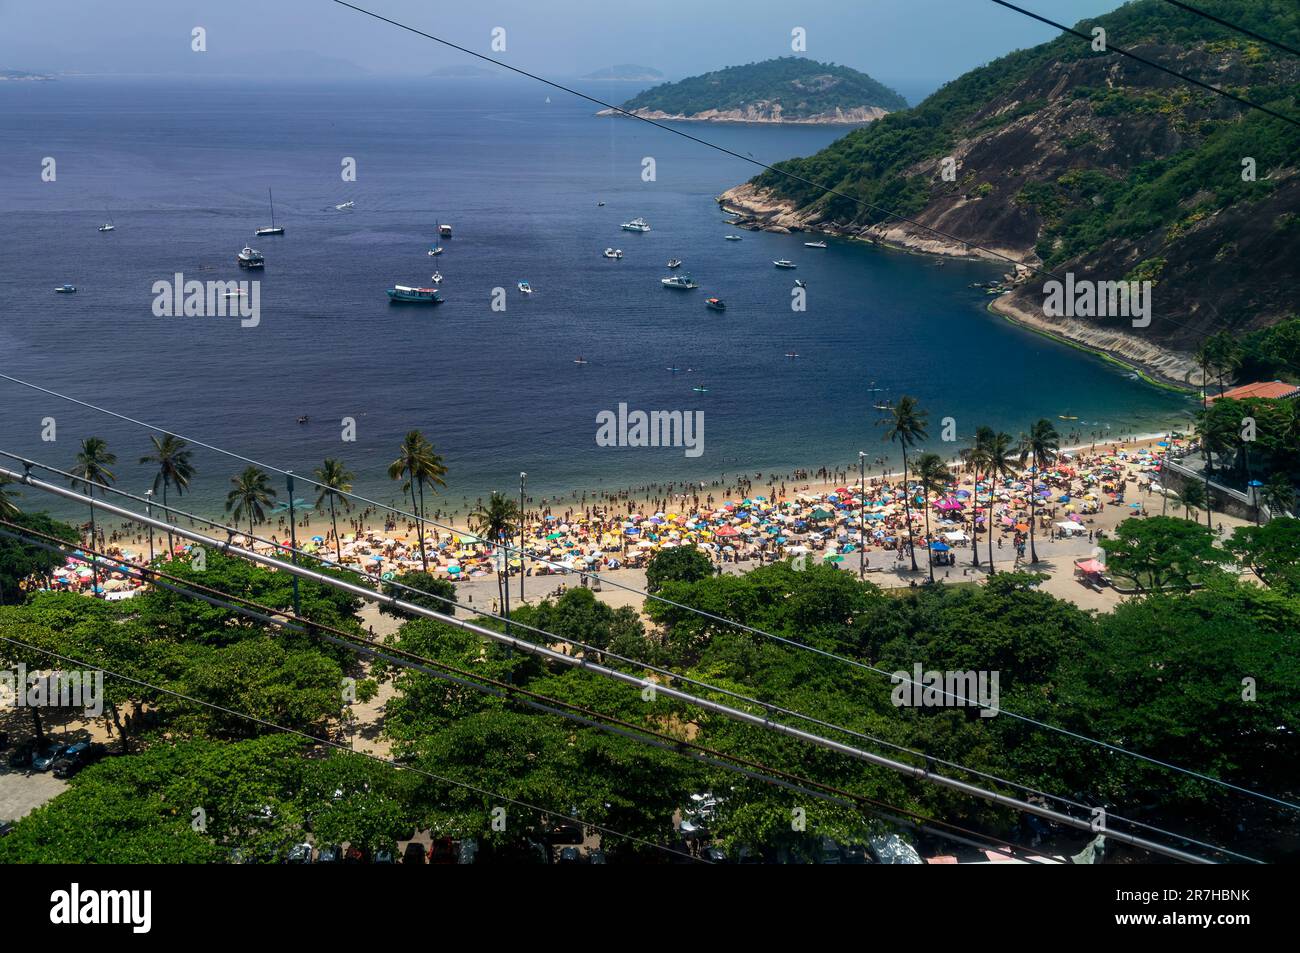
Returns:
(184, 172)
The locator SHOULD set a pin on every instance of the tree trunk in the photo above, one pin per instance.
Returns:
(1033, 510)
(419, 527)
(907, 509)
(171, 548)
(334, 520)
(988, 522)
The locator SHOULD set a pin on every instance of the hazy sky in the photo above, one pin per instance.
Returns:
(903, 42)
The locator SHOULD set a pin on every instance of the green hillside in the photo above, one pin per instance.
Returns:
(802, 87)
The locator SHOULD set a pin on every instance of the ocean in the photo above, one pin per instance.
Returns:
(183, 169)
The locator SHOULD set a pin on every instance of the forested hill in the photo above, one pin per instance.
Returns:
(1091, 162)
(788, 89)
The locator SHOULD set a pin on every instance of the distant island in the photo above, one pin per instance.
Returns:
(23, 75)
(791, 89)
(627, 72)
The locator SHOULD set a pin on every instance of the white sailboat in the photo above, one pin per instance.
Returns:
(272, 229)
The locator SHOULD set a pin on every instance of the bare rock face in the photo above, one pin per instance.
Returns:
(765, 112)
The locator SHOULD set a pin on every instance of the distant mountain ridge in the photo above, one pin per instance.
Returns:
(628, 72)
(1092, 163)
(789, 89)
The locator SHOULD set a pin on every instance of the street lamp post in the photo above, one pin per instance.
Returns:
(148, 509)
(523, 567)
(862, 514)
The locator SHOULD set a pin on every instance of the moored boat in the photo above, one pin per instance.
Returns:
(444, 231)
(684, 282)
(784, 263)
(716, 304)
(732, 238)
(66, 289)
(403, 294)
(435, 250)
(525, 287)
(272, 229)
(613, 253)
(674, 262)
(250, 258)
(814, 244)
(636, 225)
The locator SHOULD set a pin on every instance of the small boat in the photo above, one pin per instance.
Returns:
(402, 294)
(580, 359)
(791, 353)
(250, 258)
(444, 231)
(525, 287)
(66, 289)
(272, 229)
(435, 250)
(600, 205)
(784, 263)
(883, 405)
(674, 262)
(1067, 417)
(674, 368)
(799, 282)
(716, 304)
(814, 244)
(733, 238)
(684, 282)
(700, 389)
(345, 206)
(107, 226)
(436, 277)
(636, 225)
(613, 253)
(303, 419)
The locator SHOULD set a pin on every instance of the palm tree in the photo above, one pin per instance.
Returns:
(496, 522)
(906, 426)
(251, 492)
(8, 508)
(975, 457)
(172, 456)
(1040, 447)
(1278, 494)
(996, 460)
(91, 470)
(934, 477)
(418, 464)
(335, 479)
(1192, 498)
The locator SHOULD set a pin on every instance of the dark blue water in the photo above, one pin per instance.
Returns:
(185, 169)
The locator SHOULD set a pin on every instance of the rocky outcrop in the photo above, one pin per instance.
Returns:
(761, 112)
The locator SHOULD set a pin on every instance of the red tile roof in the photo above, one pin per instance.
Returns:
(1273, 389)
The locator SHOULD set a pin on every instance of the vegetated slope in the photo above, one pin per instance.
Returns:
(787, 89)
(1092, 163)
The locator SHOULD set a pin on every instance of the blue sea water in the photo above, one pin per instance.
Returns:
(183, 169)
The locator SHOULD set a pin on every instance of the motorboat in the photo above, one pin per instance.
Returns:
(344, 206)
(435, 250)
(250, 258)
(636, 225)
(716, 304)
(733, 238)
(613, 253)
(66, 289)
(784, 263)
(525, 287)
(814, 244)
(683, 282)
(674, 262)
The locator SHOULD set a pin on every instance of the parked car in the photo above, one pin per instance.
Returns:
(715, 855)
(444, 850)
(383, 857)
(6, 827)
(78, 756)
(570, 855)
(358, 855)
(330, 854)
(45, 755)
(413, 854)
(299, 854)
